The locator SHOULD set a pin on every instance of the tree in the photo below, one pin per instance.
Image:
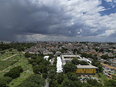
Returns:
(77, 83)
(100, 68)
(20, 48)
(36, 69)
(67, 83)
(76, 51)
(101, 50)
(33, 57)
(96, 49)
(31, 61)
(69, 67)
(34, 64)
(14, 73)
(44, 75)
(107, 62)
(83, 63)
(27, 55)
(2, 52)
(33, 81)
(45, 62)
(97, 64)
(4, 81)
(51, 74)
(110, 83)
(39, 60)
(75, 61)
(114, 77)
(54, 83)
(83, 54)
(60, 78)
(93, 82)
(44, 69)
(72, 76)
(104, 56)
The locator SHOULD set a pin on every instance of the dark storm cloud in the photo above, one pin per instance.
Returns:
(21, 17)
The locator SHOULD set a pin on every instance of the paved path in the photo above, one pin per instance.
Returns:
(10, 57)
(47, 84)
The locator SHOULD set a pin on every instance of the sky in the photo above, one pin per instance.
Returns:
(58, 20)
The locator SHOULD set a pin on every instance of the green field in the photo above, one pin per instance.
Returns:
(103, 78)
(6, 63)
(8, 54)
(23, 62)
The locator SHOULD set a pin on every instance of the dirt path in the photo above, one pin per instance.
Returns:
(10, 57)
(5, 69)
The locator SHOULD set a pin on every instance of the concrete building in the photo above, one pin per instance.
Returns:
(86, 69)
(59, 65)
(68, 58)
(81, 69)
(46, 57)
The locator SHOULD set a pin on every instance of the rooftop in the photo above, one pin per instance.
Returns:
(86, 67)
(70, 56)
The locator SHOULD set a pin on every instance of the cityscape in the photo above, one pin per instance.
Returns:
(55, 64)
(57, 43)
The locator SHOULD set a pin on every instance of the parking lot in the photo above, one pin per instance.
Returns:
(83, 78)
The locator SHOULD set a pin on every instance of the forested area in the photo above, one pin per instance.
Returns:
(76, 62)
(14, 72)
(66, 78)
(18, 46)
(33, 81)
(4, 81)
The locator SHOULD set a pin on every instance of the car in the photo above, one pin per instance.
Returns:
(86, 75)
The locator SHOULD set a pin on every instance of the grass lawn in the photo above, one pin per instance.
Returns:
(103, 77)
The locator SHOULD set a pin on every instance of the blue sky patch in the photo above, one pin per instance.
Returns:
(109, 6)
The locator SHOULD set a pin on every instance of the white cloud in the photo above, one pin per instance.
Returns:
(108, 32)
(91, 18)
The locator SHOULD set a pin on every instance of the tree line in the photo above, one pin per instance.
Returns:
(18, 46)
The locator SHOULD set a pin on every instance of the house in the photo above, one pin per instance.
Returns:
(100, 54)
(113, 62)
(58, 53)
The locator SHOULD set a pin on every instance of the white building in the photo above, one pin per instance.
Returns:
(46, 57)
(68, 58)
(59, 65)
